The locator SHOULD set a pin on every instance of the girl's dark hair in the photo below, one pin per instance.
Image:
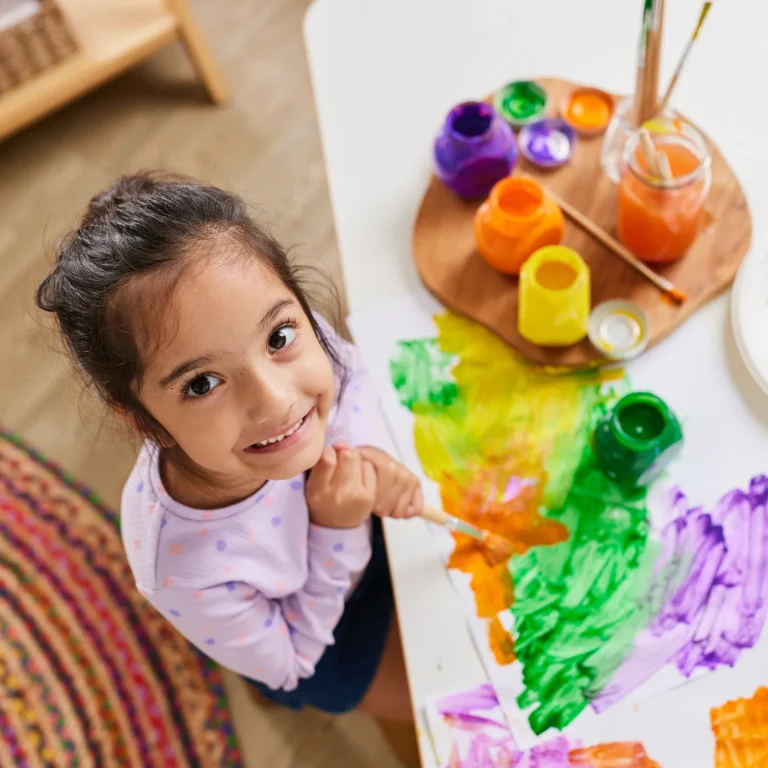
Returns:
(122, 263)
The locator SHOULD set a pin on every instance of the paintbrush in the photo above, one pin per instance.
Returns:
(656, 160)
(673, 82)
(664, 285)
(497, 548)
(642, 57)
(652, 61)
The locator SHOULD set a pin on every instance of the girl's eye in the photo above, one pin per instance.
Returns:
(202, 385)
(281, 338)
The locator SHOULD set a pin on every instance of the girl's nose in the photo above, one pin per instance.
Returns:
(268, 393)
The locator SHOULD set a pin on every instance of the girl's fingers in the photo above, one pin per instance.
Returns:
(417, 503)
(325, 468)
(369, 477)
(349, 469)
(401, 507)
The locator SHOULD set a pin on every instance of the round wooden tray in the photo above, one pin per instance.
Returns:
(454, 271)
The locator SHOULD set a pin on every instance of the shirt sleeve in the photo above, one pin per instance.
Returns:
(359, 419)
(274, 641)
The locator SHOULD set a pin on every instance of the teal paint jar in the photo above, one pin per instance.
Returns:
(638, 439)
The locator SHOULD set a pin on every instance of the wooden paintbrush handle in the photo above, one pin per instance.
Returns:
(435, 515)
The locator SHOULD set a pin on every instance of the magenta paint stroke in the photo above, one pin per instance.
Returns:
(711, 587)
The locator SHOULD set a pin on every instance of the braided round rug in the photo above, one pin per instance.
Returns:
(90, 674)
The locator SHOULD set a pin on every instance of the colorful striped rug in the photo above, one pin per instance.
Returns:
(90, 675)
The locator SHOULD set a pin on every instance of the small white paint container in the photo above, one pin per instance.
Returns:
(618, 329)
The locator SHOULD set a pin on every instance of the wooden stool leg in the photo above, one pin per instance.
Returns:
(402, 738)
(197, 50)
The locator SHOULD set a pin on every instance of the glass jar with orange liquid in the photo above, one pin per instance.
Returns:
(659, 219)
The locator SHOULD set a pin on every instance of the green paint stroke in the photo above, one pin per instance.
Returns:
(421, 375)
(578, 604)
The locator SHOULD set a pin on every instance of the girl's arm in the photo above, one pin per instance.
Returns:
(275, 641)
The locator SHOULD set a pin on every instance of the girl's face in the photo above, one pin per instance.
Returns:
(240, 380)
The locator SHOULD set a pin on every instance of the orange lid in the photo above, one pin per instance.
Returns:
(587, 110)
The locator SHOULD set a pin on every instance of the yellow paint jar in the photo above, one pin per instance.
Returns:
(554, 297)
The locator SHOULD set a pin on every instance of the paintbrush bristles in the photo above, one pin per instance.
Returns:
(498, 549)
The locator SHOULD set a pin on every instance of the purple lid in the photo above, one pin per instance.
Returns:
(547, 143)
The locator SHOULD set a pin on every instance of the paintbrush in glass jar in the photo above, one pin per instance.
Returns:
(497, 548)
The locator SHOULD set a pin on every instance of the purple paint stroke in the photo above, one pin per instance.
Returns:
(550, 754)
(481, 698)
(478, 741)
(711, 588)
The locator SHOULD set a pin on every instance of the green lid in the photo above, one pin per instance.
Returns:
(521, 102)
(637, 440)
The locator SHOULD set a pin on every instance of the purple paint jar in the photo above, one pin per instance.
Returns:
(474, 149)
(548, 143)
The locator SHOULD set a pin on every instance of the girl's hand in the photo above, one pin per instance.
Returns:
(341, 489)
(398, 490)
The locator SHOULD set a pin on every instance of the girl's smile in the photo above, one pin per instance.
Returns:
(286, 439)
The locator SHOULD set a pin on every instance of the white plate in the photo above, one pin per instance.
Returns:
(749, 314)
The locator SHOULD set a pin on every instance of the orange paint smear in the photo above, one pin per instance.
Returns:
(519, 521)
(740, 728)
(615, 755)
(501, 643)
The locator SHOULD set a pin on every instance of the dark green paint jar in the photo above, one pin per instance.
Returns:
(638, 439)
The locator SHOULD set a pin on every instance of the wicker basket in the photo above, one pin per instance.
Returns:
(34, 45)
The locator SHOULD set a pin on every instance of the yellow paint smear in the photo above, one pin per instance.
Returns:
(513, 422)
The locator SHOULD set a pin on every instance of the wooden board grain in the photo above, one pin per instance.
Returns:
(454, 271)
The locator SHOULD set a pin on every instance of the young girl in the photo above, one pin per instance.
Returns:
(247, 517)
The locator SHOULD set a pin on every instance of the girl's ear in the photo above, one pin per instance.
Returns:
(145, 425)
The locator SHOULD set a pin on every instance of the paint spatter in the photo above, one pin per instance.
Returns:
(480, 738)
(740, 728)
(710, 585)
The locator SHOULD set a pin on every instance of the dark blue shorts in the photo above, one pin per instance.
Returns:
(346, 669)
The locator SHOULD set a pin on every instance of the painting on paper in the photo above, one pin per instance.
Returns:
(612, 594)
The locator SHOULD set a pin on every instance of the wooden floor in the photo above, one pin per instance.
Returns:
(264, 145)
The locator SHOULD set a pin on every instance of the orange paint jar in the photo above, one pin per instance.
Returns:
(517, 219)
(659, 220)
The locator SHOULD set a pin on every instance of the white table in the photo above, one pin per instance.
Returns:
(385, 72)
